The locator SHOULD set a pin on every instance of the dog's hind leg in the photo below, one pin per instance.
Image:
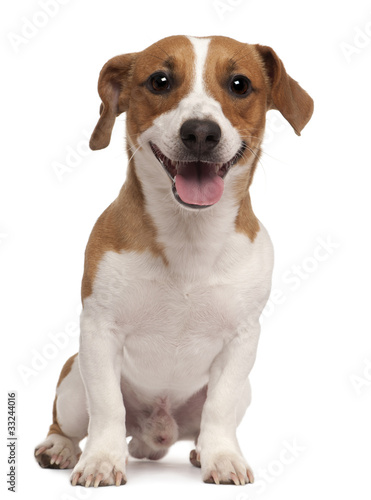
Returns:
(60, 449)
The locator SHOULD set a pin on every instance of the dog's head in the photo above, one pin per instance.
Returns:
(196, 111)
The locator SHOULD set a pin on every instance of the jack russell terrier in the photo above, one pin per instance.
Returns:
(178, 268)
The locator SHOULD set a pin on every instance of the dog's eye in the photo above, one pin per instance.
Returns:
(240, 85)
(158, 82)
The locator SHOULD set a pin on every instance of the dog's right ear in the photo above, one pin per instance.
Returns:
(114, 86)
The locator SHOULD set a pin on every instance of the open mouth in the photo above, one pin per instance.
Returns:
(196, 184)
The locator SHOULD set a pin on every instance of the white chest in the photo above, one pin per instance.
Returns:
(171, 327)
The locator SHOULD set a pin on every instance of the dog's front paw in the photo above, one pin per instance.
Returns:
(103, 468)
(223, 465)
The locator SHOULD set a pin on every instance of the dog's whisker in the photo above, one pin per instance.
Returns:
(135, 152)
(255, 154)
(250, 136)
(262, 151)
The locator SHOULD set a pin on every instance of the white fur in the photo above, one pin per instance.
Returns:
(173, 325)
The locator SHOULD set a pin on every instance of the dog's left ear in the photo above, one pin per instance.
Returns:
(114, 86)
(286, 94)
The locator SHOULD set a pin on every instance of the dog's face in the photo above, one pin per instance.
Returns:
(196, 111)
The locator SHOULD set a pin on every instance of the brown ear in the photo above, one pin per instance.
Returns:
(286, 94)
(114, 87)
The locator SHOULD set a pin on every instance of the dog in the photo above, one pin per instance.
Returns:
(178, 268)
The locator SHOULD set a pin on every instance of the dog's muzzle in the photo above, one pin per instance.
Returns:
(198, 184)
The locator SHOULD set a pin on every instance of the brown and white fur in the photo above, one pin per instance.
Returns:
(176, 275)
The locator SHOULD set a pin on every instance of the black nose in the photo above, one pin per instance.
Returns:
(200, 136)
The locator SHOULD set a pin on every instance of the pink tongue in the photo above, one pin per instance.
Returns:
(198, 184)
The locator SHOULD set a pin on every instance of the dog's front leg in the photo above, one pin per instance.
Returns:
(228, 396)
(105, 455)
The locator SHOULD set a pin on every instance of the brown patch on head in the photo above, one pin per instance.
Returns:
(175, 57)
(227, 58)
(124, 225)
(272, 87)
(122, 87)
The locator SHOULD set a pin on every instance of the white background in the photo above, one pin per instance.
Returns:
(312, 379)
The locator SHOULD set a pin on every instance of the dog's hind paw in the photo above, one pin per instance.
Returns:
(57, 452)
(194, 458)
